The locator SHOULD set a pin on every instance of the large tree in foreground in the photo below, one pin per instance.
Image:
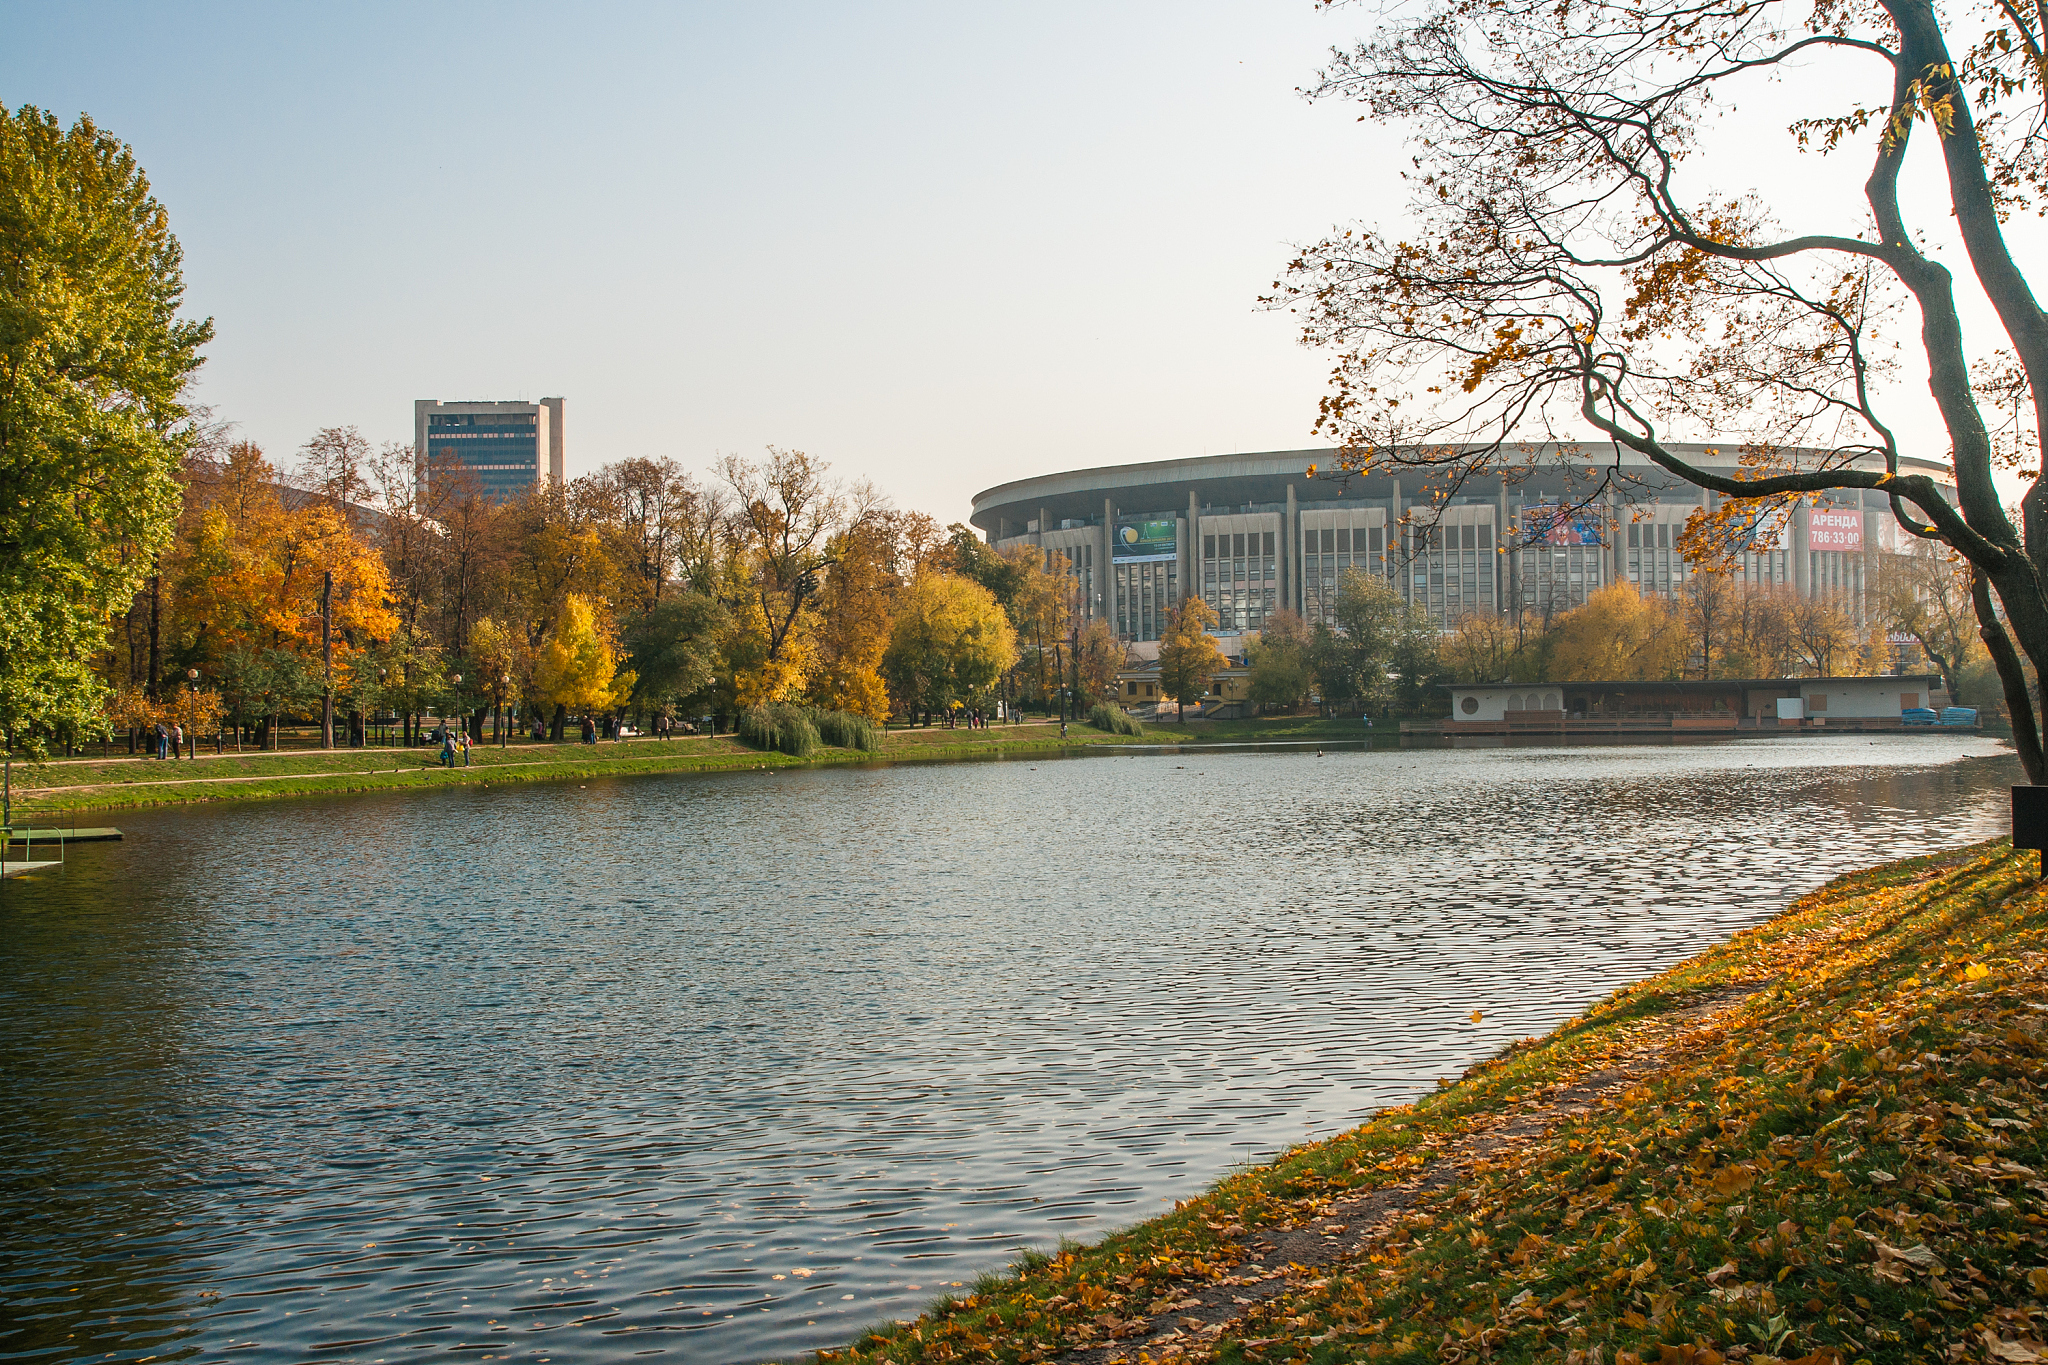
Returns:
(93, 361)
(1577, 271)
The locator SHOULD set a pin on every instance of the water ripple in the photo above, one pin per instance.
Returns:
(726, 1068)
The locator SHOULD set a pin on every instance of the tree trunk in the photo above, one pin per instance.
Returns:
(2026, 737)
(561, 719)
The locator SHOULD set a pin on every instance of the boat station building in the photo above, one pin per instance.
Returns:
(1251, 533)
(1710, 705)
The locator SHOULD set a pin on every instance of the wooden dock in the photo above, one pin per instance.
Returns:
(58, 834)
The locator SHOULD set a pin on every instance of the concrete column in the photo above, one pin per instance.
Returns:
(1502, 538)
(1044, 525)
(1396, 534)
(1109, 607)
(1191, 585)
(1802, 557)
(1291, 595)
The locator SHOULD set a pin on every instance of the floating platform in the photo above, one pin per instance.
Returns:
(39, 834)
(22, 868)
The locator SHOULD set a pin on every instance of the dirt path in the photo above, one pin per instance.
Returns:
(1282, 1259)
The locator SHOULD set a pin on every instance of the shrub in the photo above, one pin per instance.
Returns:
(845, 730)
(1114, 719)
(786, 729)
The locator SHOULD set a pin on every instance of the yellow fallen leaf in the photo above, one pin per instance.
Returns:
(1976, 971)
(1477, 1016)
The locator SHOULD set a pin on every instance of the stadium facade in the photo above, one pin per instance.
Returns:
(1251, 534)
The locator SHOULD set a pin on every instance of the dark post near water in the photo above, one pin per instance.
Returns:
(327, 660)
(2030, 819)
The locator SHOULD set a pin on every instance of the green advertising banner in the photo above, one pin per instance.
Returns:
(1144, 542)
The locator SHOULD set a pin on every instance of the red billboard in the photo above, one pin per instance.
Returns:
(1834, 528)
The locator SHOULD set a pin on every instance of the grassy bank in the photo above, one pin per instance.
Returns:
(62, 787)
(1819, 1142)
(57, 790)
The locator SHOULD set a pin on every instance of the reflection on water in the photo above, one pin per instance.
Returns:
(726, 1068)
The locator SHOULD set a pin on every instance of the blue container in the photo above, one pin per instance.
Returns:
(1920, 715)
(1959, 715)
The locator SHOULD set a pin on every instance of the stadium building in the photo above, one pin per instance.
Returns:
(1252, 533)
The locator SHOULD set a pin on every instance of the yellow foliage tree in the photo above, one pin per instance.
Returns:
(576, 669)
(1188, 657)
(1619, 635)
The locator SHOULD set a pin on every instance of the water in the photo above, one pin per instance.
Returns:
(726, 1068)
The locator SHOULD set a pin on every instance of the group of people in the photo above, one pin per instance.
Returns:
(170, 741)
(454, 741)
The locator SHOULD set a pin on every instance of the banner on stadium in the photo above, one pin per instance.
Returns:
(1146, 542)
(1547, 523)
(1834, 528)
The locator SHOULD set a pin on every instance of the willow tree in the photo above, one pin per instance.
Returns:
(1569, 274)
(93, 366)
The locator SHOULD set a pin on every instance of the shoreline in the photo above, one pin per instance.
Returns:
(1817, 1142)
(126, 782)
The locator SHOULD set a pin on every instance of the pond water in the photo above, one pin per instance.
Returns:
(725, 1068)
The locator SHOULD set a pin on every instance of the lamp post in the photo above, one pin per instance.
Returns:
(504, 682)
(383, 675)
(192, 711)
(456, 679)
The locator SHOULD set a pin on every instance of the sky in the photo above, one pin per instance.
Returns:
(938, 246)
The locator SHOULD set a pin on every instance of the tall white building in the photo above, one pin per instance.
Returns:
(507, 447)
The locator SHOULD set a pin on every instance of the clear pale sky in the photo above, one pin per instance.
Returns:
(940, 245)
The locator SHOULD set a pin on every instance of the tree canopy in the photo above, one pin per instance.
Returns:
(94, 362)
(1575, 271)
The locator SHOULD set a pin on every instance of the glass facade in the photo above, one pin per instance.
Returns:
(500, 450)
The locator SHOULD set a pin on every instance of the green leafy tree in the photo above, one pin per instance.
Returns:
(950, 643)
(674, 648)
(1280, 661)
(1188, 657)
(1391, 643)
(93, 363)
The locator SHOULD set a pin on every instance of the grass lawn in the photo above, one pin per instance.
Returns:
(1820, 1142)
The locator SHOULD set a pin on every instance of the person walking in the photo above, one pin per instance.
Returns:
(163, 741)
(177, 740)
(447, 747)
(466, 746)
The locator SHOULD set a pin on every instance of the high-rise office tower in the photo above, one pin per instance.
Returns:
(506, 447)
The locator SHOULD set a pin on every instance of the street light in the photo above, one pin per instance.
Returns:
(504, 682)
(192, 710)
(456, 678)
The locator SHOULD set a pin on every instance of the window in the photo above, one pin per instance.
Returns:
(1269, 543)
(1343, 540)
(1329, 540)
(1208, 547)
(1515, 702)
(1908, 700)
(1817, 702)
(1469, 705)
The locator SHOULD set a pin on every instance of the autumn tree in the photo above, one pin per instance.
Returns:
(1279, 661)
(1619, 635)
(94, 363)
(1096, 657)
(576, 669)
(1188, 657)
(1926, 594)
(785, 518)
(856, 609)
(950, 643)
(1486, 646)
(335, 463)
(1823, 635)
(1570, 269)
